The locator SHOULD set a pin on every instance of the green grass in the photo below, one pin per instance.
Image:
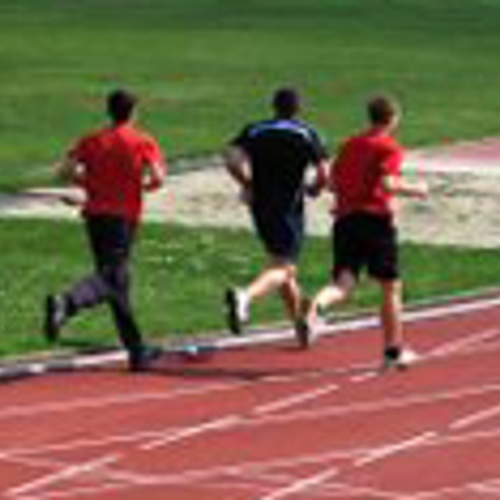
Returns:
(203, 68)
(180, 275)
(206, 66)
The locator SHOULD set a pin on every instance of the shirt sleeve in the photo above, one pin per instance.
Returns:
(391, 161)
(80, 150)
(318, 151)
(152, 153)
(242, 139)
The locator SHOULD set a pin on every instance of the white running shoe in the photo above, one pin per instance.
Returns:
(237, 310)
(399, 359)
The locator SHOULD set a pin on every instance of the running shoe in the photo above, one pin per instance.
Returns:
(55, 316)
(141, 359)
(306, 331)
(399, 358)
(303, 333)
(237, 310)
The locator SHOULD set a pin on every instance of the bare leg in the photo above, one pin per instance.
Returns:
(292, 295)
(390, 313)
(334, 293)
(277, 275)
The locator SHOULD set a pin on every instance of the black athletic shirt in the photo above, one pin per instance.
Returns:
(280, 151)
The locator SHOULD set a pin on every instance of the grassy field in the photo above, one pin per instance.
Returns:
(203, 68)
(206, 66)
(180, 278)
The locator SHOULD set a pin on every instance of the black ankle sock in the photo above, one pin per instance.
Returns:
(392, 352)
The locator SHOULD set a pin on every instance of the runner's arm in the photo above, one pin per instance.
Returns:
(397, 185)
(154, 176)
(320, 180)
(70, 170)
(238, 166)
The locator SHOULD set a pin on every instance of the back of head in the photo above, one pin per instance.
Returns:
(286, 102)
(382, 110)
(120, 105)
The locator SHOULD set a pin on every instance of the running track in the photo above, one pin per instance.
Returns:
(270, 422)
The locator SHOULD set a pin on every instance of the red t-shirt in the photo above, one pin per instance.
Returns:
(114, 158)
(358, 172)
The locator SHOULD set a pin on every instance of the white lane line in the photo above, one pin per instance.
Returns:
(375, 406)
(263, 419)
(349, 325)
(191, 431)
(229, 421)
(79, 492)
(262, 415)
(356, 455)
(475, 418)
(358, 379)
(232, 386)
(92, 403)
(430, 313)
(97, 402)
(488, 489)
(65, 473)
(463, 343)
(438, 312)
(392, 449)
(297, 399)
(375, 455)
(250, 469)
(471, 437)
(302, 485)
(336, 489)
(343, 491)
(450, 491)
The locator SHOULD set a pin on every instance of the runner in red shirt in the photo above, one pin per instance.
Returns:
(113, 179)
(366, 177)
(113, 166)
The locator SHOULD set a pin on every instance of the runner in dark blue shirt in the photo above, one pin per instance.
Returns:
(269, 160)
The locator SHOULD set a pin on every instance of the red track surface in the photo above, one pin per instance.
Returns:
(269, 424)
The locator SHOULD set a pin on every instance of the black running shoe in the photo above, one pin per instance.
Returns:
(141, 359)
(55, 317)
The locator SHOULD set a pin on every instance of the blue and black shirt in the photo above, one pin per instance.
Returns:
(280, 150)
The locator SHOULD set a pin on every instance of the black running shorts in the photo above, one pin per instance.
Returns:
(363, 240)
(281, 234)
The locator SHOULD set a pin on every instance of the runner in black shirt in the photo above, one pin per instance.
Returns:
(269, 160)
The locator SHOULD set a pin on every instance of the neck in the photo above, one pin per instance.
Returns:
(381, 129)
(120, 123)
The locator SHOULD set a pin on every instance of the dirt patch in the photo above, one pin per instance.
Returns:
(464, 208)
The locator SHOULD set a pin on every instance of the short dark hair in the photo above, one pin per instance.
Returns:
(120, 105)
(286, 102)
(381, 109)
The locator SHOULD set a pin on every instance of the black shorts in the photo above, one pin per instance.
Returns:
(363, 240)
(282, 234)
